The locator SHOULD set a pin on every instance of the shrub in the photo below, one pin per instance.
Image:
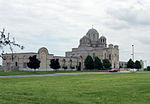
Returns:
(65, 67)
(54, 64)
(33, 63)
(72, 67)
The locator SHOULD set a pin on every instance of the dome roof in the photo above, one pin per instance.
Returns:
(91, 31)
(92, 34)
(102, 37)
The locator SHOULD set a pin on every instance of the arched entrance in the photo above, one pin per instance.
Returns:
(43, 52)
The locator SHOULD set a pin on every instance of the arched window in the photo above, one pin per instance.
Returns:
(70, 63)
(104, 41)
(109, 56)
(93, 36)
(16, 63)
(64, 62)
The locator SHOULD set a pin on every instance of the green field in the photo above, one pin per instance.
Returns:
(131, 88)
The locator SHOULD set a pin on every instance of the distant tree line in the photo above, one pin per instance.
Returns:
(136, 64)
(147, 68)
(96, 63)
(90, 63)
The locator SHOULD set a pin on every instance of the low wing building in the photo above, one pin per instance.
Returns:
(19, 60)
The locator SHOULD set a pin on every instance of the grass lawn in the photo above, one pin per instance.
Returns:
(40, 72)
(129, 88)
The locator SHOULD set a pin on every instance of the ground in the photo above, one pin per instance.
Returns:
(43, 72)
(119, 88)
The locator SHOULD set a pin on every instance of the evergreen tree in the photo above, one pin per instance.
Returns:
(148, 68)
(54, 64)
(130, 64)
(98, 64)
(89, 64)
(106, 64)
(137, 65)
(33, 63)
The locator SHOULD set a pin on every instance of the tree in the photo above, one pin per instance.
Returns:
(54, 64)
(106, 64)
(89, 64)
(148, 68)
(137, 65)
(33, 63)
(6, 41)
(130, 64)
(98, 64)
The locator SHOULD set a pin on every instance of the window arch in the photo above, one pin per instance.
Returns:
(70, 63)
(16, 63)
(109, 56)
(93, 36)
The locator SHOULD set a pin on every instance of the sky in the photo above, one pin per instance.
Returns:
(59, 24)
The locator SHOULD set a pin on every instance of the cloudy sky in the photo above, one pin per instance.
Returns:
(59, 24)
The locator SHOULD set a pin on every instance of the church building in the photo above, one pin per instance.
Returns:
(91, 44)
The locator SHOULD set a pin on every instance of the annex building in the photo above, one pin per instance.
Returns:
(90, 44)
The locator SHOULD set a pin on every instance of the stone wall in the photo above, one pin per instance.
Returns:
(20, 60)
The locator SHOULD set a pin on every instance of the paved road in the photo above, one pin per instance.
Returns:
(58, 74)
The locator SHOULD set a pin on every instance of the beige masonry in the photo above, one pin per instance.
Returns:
(90, 44)
(20, 60)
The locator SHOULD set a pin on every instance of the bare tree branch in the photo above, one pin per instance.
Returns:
(4, 41)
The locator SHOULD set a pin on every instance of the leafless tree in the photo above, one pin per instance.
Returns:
(6, 41)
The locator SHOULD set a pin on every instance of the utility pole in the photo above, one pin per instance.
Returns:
(132, 53)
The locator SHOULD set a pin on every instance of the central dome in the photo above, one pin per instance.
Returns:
(93, 34)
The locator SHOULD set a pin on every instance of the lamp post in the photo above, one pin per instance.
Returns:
(132, 53)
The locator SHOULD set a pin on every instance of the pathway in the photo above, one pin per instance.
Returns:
(59, 74)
